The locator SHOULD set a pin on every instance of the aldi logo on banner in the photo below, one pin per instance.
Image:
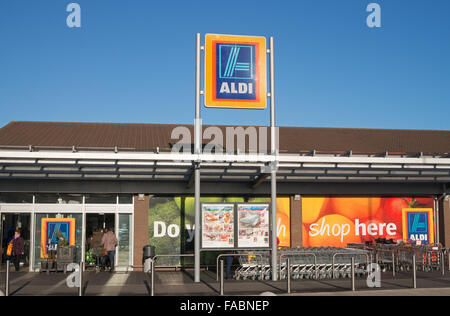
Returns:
(418, 225)
(235, 72)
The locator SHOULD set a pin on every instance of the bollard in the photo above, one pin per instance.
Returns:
(80, 289)
(152, 269)
(448, 258)
(332, 270)
(442, 263)
(393, 264)
(7, 279)
(221, 277)
(353, 274)
(414, 271)
(288, 275)
(316, 268)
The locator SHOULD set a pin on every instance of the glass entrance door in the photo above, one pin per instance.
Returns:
(10, 222)
(96, 224)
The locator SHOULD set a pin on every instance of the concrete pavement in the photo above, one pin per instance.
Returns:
(181, 284)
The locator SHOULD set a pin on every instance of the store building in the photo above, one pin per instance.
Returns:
(334, 185)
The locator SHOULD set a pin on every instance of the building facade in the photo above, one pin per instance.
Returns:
(334, 186)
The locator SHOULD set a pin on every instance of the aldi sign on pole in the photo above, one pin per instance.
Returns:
(236, 74)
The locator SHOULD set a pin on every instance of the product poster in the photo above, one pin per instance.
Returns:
(217, 226)
(56, 231)
(253, 225)
(283, 218)
(338, 221)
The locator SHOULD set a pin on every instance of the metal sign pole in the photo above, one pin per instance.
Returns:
(273, 167)
(197, 148)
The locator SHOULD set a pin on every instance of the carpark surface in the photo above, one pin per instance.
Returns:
(180, 283)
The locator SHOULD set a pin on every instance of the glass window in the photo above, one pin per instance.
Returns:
(125, 199)
(50, 198)
(48, 230)
(101, 198)
(16, 198)
(46, 198)
(124, 237)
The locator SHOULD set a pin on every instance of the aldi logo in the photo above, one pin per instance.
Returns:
(235, 71)
(236, 61)
(418, 225)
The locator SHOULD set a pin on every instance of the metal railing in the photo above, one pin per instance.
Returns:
(221, 279)
(153, 261)
(298, 254)
(400, 263)
(346, 254)
(391, 252)
(240, 255)
(288, 267)
(7, 279)
(220, 271)
(81, 269)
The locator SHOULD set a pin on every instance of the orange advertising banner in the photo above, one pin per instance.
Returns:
(283, 221)
(338, 221)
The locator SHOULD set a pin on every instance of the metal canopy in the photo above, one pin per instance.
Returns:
(113, 165)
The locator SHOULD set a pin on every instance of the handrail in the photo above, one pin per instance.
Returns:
(309, 254)
(349, 255)
(392, 252)
(153, 260)
(238, 255)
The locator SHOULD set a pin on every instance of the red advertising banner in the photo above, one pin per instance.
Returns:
(337, 221)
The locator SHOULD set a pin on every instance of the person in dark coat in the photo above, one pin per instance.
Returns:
(18, 249)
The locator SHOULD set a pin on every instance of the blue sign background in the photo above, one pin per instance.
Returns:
(235, 64)
(418, 224)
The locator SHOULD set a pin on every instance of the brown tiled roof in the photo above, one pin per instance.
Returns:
(292, 139)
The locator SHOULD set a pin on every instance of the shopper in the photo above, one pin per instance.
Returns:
(229, 262)
(109, 242)
(96, 246)
(18, 249)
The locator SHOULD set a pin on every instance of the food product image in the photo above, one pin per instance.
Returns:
(250, 219)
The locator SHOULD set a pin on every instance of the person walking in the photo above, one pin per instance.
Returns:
(18, 249)
(109, 242)
(229, 262)
(96, 246)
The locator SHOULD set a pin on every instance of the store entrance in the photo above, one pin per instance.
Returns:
(95, 227)
(9, 223)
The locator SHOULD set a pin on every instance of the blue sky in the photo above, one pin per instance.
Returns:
(133, 61)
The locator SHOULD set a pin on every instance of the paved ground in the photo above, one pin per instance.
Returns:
(181, 284)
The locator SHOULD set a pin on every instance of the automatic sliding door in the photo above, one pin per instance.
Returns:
(124, 235)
